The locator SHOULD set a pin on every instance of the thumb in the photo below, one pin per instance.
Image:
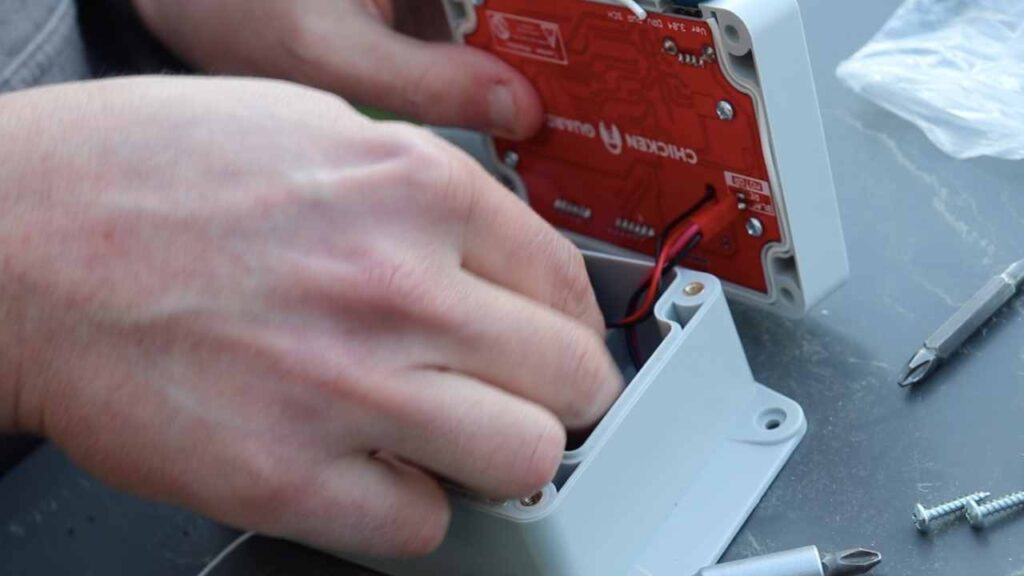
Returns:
(435, 83)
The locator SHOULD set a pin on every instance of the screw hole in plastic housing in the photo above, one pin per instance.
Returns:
(732, 33)
(771, 419)
(787, 296)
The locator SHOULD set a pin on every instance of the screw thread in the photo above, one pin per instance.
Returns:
(957, 505)
(1015, 500)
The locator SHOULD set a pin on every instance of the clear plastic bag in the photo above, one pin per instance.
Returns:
(955, 68)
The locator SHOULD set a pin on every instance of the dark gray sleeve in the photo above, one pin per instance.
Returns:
(40, 43)
(118, 43)
(13, 449)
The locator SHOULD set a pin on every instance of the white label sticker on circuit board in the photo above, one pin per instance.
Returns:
(527, 37)
(757, 193)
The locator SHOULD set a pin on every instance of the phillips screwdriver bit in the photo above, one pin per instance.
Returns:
(800, 562)
(941, 345)
(850, 562)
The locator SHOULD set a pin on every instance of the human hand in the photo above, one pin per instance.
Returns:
(246, 298)
(350, 48)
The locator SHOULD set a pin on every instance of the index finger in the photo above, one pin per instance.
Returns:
(507, 243)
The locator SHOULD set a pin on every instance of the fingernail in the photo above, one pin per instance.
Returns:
(503, 110)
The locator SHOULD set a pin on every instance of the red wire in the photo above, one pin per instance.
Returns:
(675, 244)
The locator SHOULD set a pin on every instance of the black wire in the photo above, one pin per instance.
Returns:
(642, 290)
(709, 195)
(632, 338)
(659, 247)
(634, 300)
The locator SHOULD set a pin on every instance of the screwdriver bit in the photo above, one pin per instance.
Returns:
(971, 316)
(801, 562)
(850, 562)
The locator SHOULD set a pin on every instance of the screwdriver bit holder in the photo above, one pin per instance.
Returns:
(667, 478)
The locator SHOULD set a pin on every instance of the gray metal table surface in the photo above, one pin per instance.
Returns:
(924, 232)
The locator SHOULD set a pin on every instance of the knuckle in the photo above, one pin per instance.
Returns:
(434, 170)
(426, 162)
(408, 289)
(303, 46)
(539, 455)
(409, 523)
(392, 283)
(568, 284)
(424, 533)
(586, 397)
(577, 297)
(424, 95)
(272, 490)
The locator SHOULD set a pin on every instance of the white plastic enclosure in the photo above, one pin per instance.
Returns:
(664, 482)
(668, 477)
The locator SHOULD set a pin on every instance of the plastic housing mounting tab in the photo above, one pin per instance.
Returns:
(667, 478)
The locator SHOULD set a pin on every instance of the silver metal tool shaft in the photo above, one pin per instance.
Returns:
(800, 562)
(971, 316)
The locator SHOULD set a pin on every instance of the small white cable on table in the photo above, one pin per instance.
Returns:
(225, 553)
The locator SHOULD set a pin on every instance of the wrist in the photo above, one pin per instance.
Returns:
(12, 367)
(13, 311)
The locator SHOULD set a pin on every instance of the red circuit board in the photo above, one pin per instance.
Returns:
(633, 137)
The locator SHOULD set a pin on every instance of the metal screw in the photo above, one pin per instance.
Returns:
(532, 500)
(693, 289)
(725, 110)
(511, 159)
(923, 517)
(755, 228)
(980, 515)
(670, 47)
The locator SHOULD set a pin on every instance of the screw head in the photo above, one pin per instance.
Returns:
(974, 515)
(532, 499)
(693, 289)
(921, 518)
(670, 47)
(725, 110)
(511, 159)
(755, 228)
